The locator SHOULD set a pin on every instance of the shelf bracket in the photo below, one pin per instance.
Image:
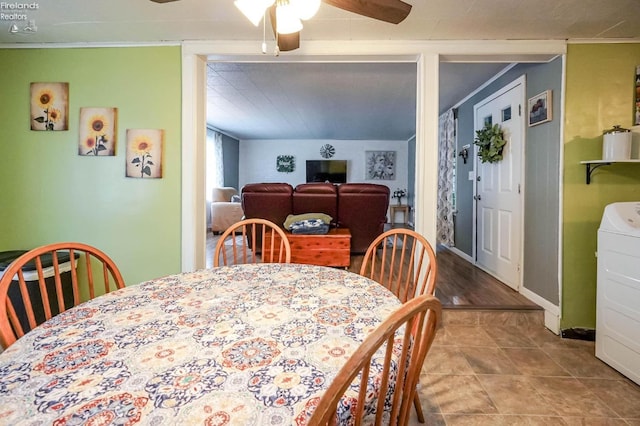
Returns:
(591, 167)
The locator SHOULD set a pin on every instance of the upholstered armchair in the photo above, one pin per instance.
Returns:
(224, 211)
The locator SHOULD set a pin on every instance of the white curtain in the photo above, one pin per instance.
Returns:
(446, 175)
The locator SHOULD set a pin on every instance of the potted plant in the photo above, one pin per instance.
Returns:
(490, 141)
(399, 193)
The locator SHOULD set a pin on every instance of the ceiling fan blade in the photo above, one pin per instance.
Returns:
(162, 1)
(286, 42)
(392, 11)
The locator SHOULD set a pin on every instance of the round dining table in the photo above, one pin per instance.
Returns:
(252, 344)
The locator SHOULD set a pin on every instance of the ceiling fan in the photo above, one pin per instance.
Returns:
(288, 32)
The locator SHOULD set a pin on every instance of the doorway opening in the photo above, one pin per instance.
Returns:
(195, 58)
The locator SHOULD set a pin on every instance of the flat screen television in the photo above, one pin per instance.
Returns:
(334, 171)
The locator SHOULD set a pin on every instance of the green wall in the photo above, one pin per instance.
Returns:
(599, 94)
(50, 194)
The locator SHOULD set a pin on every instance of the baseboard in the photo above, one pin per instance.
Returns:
(551, 311)
(579, 334)
(460, 253)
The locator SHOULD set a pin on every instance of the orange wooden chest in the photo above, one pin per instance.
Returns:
(330, 249)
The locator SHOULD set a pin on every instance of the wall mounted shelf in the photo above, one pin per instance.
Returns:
(594, 164)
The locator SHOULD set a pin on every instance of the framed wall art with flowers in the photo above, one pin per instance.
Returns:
(97, 131)
(49, 106)
(380, 165)
(144, 153)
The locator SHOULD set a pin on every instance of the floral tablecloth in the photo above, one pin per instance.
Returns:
(241, 345)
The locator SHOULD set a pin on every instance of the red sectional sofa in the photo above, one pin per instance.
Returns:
(360, 207)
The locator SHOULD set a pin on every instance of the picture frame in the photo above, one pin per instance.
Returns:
(49, 106)
(285, 163)
(540, 108)
(144, 153)
(380, 165)
(97, 131)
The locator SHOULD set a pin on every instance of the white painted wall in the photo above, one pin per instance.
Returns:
(258, 159)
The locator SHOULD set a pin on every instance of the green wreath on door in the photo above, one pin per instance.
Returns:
(490, 141)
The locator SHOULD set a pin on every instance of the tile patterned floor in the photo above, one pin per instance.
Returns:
(506, 368)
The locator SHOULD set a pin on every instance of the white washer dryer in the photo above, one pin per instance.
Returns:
(618, 291)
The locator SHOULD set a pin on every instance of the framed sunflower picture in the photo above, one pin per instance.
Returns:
(49, 106)
(144, 153)
(97, 131)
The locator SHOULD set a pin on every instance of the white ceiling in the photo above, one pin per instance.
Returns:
(350, 101)
(336, 101)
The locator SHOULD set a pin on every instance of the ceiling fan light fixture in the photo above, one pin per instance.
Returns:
(253, 9)
(305, 9)
(287, 18)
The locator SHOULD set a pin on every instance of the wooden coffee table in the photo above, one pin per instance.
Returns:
(331, 249)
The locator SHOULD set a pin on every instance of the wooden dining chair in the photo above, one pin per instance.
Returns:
(48, 280)
(252, 241)
(400, 355)
(403, 261)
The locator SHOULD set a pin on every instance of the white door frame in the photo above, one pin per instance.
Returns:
(522, 112)
(426, 54)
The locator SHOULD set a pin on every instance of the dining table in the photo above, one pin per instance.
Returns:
(253, 344)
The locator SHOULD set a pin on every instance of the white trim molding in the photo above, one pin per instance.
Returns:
(551, 311)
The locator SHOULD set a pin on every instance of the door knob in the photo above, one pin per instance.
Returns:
(477, 197)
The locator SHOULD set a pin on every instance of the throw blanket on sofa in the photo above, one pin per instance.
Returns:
(309, 226)
(308, 223)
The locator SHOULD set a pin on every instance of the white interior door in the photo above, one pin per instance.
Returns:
(498, 198)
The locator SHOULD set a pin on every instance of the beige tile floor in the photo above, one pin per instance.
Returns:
(505, 368)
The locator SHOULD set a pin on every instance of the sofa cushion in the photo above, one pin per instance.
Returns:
(225, 214)
(223, 194)
(362, 207)
(316, 197)
(271, 201)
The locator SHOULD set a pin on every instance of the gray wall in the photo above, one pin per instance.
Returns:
(230, 159)
(542, 156)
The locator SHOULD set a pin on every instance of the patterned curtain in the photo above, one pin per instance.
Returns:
(446, 164)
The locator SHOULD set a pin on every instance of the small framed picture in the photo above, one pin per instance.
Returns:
(144, 153)
(97, 131)
(49, 106)
(539, 108)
